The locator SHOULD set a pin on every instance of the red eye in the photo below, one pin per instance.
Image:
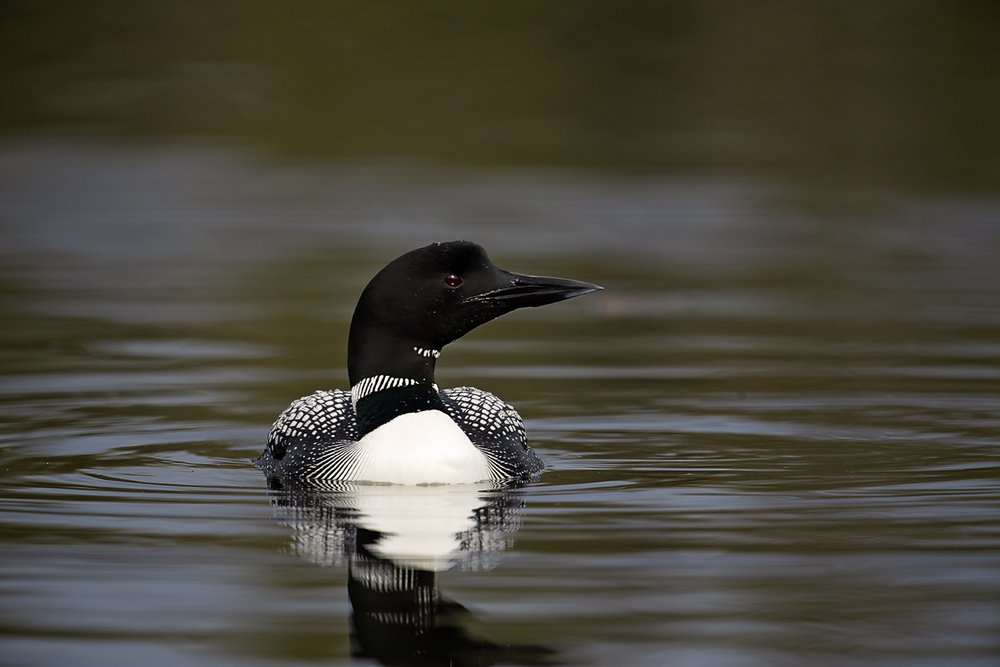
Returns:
(453, 280)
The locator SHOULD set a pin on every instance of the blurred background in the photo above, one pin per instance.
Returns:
(832, 148)
(783, 403)
(901, 93)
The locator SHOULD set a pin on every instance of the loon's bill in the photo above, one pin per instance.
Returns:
(395, 425)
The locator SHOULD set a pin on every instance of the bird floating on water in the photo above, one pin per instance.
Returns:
(395, 425)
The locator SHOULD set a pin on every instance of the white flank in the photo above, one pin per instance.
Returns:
(418, 448)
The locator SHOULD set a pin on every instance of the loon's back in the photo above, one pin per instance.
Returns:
(317, 436)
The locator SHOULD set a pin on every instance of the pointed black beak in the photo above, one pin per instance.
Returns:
(524, 291)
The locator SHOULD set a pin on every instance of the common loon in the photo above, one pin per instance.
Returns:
(395, 425)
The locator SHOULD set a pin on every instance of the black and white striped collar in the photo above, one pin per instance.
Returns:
(377, 383)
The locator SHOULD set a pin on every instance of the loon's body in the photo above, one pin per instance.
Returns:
(395, 425)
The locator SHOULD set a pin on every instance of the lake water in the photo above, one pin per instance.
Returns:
(772, 440)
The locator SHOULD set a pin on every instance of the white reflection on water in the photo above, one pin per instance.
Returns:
(426, 527)
(394, 540)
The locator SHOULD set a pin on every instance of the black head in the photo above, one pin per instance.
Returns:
(432, 296)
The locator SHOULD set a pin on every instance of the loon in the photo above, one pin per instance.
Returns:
(394, 425)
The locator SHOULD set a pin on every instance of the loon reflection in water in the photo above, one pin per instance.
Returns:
(394, 541)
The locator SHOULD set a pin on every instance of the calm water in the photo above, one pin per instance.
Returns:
(772, 440)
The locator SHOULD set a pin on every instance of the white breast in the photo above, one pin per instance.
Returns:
(418, 448)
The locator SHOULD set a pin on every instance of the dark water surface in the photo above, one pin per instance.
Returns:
(772, 440)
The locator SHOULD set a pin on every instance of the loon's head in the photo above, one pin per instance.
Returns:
(432, 296)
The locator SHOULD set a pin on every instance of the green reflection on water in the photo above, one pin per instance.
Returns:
(899, 91)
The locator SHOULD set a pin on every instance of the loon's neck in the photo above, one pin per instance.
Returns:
(374, 350)
(383, 405)
(390, 375)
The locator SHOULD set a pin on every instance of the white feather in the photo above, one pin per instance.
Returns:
(418, 448)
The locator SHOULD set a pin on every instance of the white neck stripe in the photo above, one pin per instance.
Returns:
(427, 352)
(375, 383)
